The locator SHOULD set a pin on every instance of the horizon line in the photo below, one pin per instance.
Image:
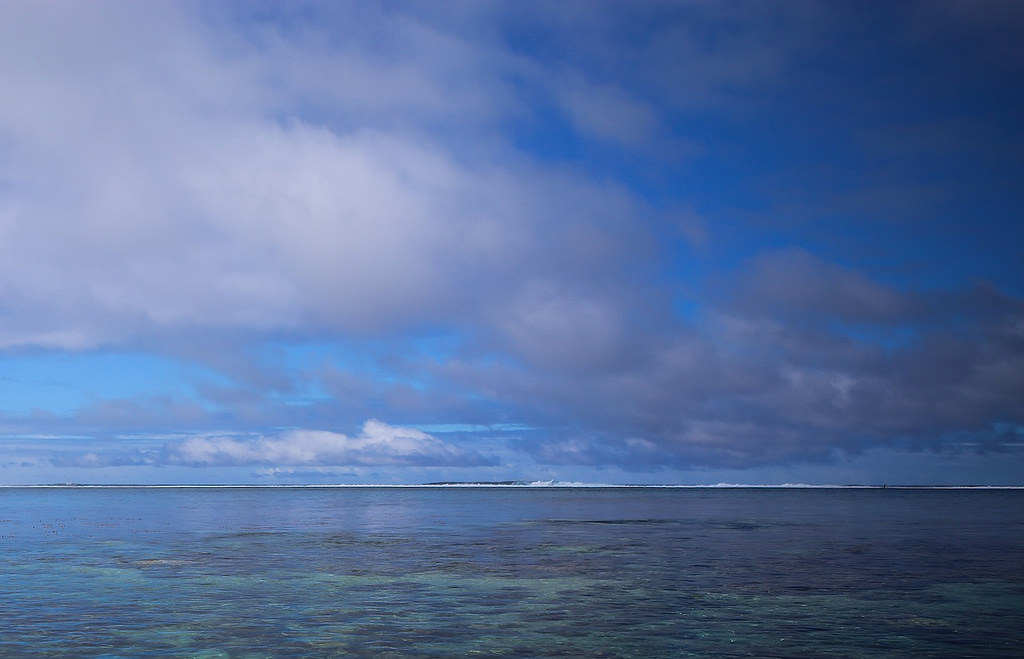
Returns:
(513, 485)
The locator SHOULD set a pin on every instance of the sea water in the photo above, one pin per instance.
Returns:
(514, 571)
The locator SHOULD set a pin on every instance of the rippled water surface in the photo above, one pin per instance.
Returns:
(521, 572)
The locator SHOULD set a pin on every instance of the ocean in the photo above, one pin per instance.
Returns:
(511, 571)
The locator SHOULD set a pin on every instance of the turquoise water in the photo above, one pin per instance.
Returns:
(519, 572)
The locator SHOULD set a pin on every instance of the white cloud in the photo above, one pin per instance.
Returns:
(377, 444)
(159, 175)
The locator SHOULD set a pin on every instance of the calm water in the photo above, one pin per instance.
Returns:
(523, 572)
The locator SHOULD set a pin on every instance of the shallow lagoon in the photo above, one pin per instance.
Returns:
(538, 572)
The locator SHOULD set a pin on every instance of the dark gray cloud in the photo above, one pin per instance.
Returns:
(803, 359)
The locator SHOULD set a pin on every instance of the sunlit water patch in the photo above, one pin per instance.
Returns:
(511, 572)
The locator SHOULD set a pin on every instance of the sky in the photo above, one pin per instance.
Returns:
(683, 241)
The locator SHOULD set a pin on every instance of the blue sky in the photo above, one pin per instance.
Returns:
(402, 242)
